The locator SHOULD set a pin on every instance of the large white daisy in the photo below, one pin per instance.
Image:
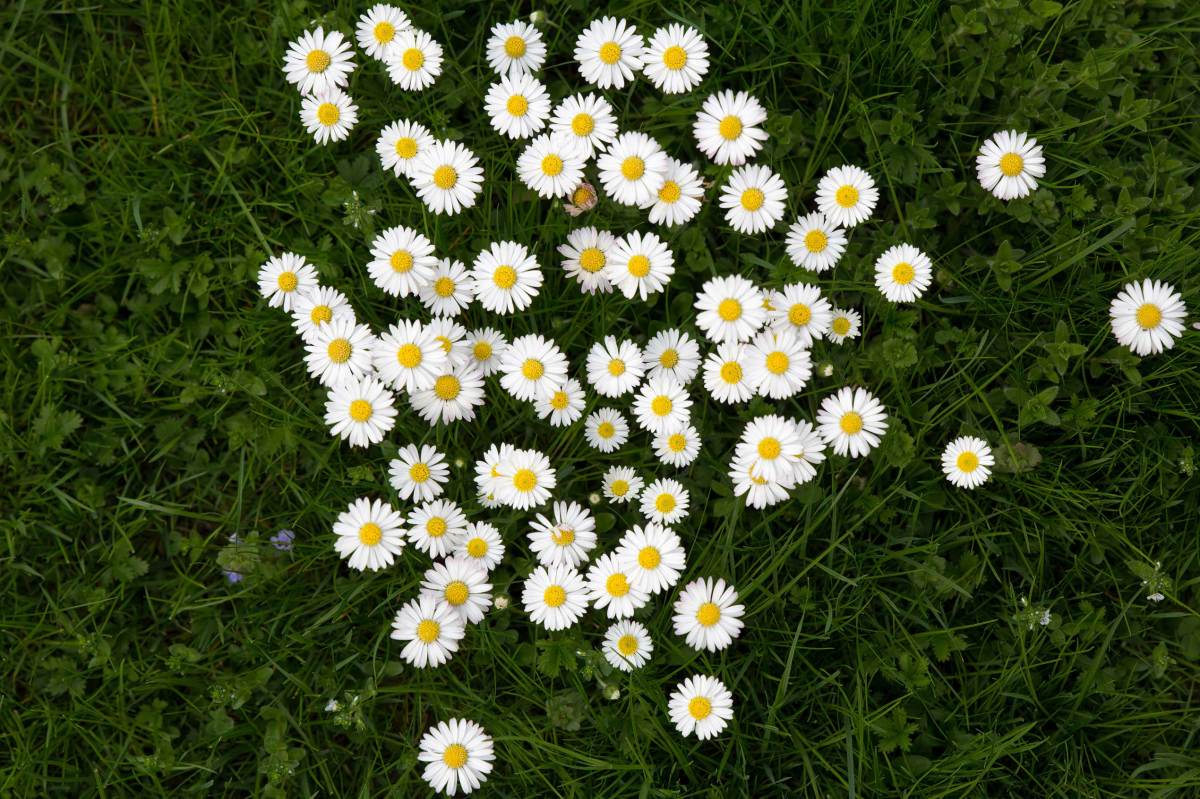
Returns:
(329, 115)
(609, 52)
(432, 630)
(640, 264)
(284, 278)
(555, 596)
(449, 291)
(610, 588)
(403, 261)
(319, 61)
(800, 308)
(400, 143)
(633, 169)
(967, 462)
(461, 584)
(457, 755)
(614, 368)
(815, 244)
(673, 353)
(360, 411)
(678, 199)
(515, 48)
(418, 474)
(551, 165)
(846, 195)
(730, 309)
(851, 421)
(370, 533)
(340, 352)
(517, 106)
(454, 395)
(700, 705)
(447, 177)
(708, 615)
(728, 127)
(753, 199)
(725, 374)
(506, 277)
(532, 366)
(1147, 317)
(567, 535)
(408, 357)
(1009, 164)
(676, 59)
(414, 61)
(584, 257)
(377, 30)
(902, 273)
(588, 120)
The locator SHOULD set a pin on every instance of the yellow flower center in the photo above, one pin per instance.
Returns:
(582, 196)
(328, 114)
(444, 286)
(633, 168)
(699, 708)
(524, 480)
(967, 462)
(670, 192)
(413, 59)
(482, 350)
(408, 356)
(318, 61)
(730, 310)
(361, 410)
(552, 165)
(428, 631)
(851, 422)
(562, 536)
(477, 547)
(287, 281)
(444, 177)
(554, 596)
(320, 314)
(677, 442)
(903, 273)
(752, 199)
(847, 196)
(669, 359)
(674, 57)
(446, 343)
(447, 387)
(799, 314)
(610, 53)
(406, 147)
(649, 558)
(1149, 316)
(592, 260)
(401, 261)
(616, 367)
(616, 585)
(517, 105)
(769, 448)
(436, 527)
(418, 472)
(1011, 164)
(619, 488)
(533, 369)
(385, 32)
(457, 592)
(559, 401)
(370, 534)
(777, 363)
(841, 326)
(731, 372)
(455, 756)
(583, 124)
(708, 614)
(504, 277)
(816, 241)
(339, 350)
(627, 645)
(665, 503)
(730, 128)
(606, 430)
(514, 47)
(639, 266)
(661, 405)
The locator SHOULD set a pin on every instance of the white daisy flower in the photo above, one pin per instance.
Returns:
(673, 353)
(846, 195)
(450, 290)
(664, 501)
(700, 705)
(633, 169)
(676, 59)
(728, 127)
(967, 462)
(400, 143)
(851, 421)
(283, 279)
(777, 446)
(517, 107)
(551, 165)
(506, 277)
(614, 368)
(526, 479)
(677, 446)
(566, 536)
(639, 264)
(418, 474)
(903, 273)
(515, 48)
(563, 406)
(532, 367)
(622, 484)
(662, 404)
(437, 528)
(1147, 317)
(340, 352)
(800, 308)
(730, 309)
(606, 430)
(454, 395)
(487, 468)
(361, 411)
(453, 340)
(447, 177)
(609, 52)
(369, 534)
(758, 490)
(588, 120)
(487, 345)
(1009, 164)
(679, 197)
(610, 588)
(462, 585)
(753, 199)
(707, 614)
(403, 261)
(815, 244)
(415, 60)
(843, 324)
(627, 645)
(725, 374)
(315, 310)
(408, 357)
(653, 556)
(319, 61)
(377, 30)
(482, 545)
(584, 257)
(432, 630)
(457, 755)
(555, 596)
(329, 116)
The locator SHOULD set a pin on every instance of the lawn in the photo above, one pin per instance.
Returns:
(159, 427)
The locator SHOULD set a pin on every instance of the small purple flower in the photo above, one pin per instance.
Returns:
(283, 540)
(233, 577)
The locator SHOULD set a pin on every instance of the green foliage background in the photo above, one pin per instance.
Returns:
(152, 407)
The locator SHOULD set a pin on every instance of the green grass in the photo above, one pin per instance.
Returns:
(152, 407)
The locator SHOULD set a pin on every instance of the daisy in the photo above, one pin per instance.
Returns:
(614, 367)
(518, 107)
(564, 405)
(707, 614)
(814, 244)
(851, 421)
(728, 127)
(515, 48)
(566, 537)
(432, 630)
(377, 30)
(673, 353)
(361, 411)
(415, 60)
(801, 309)
(452, 337)
(526, 479)
(315, 310)
(555, 596)
(457, 755)
(400, 143)
(776, 446)
(653, 556)
(505, 277)
(447, 177)
(437, 527)
(482, 545)
(759, 491)
(640, 264)
(587, 119)
(843, 324)
(622, 484)
(846, 195)
(967, 462)
(450, 290)
(678, 199)
(583, 198)
(725, 374)
(1009, 164)
(551, 165)
(487, 345)
(418, 474)
(730, 309)
(283, 279)
(609, 52)
(532, 367)
(633, 169)
(318, 61)
(460, 584)
(407, 357)
(753, 199)
(403, 261)
(487, 468)
(665, 501)
(340, 352)
(369, 534)
(1147, 317)
(903, 273)
(606, 430)
(677, 446)
(328, 116)
(454, 395)
(627, 645)
(584, 257)
(611, 588)
(662, 404)
(676, 59)
(700, 705)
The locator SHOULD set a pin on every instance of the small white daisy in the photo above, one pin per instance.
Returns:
(730, 309)
(447, 177)
(437, 528)
(1147, 317)
(664, 501)
(902, 273)
(283, 279)
(606, 430)
(462, 585)
(400, 143)
(369, 534)
(414, 61)
(584, 257)
(403, 261)
(329, 116)
(679, 197)
(609, 52)
(627, 645)
(611, 589)
(843, 324)
(846, 195)
(622, 484)
(614, 368)
(760, 492)
(555, 596)
(506, 277)
(673, 353)
(700, 705)
(564, 405)
(851, 421)
(587, 119)
(633, 169)
(782, 450)
(377, 30)
(815, 244)
(432, 629)
(676, 59)
(662, 404)
(515, 48)
(361, 411)
(487, 345)
(640, 264)
(315, 310)
(1009, 164)
(677, 446)
(800, 308)
(725, 374)
(482, 545)
(967, 462)
(566, 536)
(517, 107)
(457, 755)
(418, 474)
(452, 337)
(753, 199)
(319, 61)
(408, 357)
(728, 127)
(653, 555)
(487, 468)
(707, 614)
(454, 395)
(526, 479)
(341, 351)
(531, 367)
(551, 165)
(449, 291)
